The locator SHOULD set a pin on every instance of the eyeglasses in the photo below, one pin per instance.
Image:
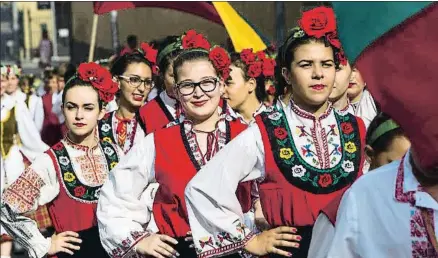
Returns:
(136, 81)
(206, 85)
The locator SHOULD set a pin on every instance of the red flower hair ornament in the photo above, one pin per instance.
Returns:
(100, 78)
(321, 22)
(258, 63)
(149, 53)
(217, 55)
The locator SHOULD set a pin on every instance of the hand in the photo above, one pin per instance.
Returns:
(63, 243)
(268, 241)
(189, 238)
(259, 219)
(155, 245)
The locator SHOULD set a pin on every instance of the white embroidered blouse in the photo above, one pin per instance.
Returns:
(123, 213)
(211, 220)
(35, 107)
(42, 184)
(380, 216)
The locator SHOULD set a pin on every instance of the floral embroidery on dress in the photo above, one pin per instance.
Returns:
(294, 160)
(222, 242)
(22, 194)
(73, 186)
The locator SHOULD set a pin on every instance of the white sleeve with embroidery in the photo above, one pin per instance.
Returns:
(215, 215)
(32, 145)
(38, 116)
(122, 213)
(322, 237)
(345, 241)
(37, 185)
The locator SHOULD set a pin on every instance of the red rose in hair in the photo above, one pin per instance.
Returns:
(102, 80)
(150, 53)
(347, 128)
(280, 133)
(325, 180)
(255, 69)
(341, 56)
(88, 71)
(201, 42)
(247, 56)
(318, 21)
(79, 191)
(226, 73)
(261, 55)
(189, 40)
(332, 37)
(269, 67)
(220, 59)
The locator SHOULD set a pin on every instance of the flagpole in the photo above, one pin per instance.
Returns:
(93, 38)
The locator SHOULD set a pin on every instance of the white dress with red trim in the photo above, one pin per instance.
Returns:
(381, 216)
(67, 178)
(171, 157)
(301, 164)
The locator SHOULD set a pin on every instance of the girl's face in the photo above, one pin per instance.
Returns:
(342, 80)
(52, 84)
(4, 84)
(133, 90)
(81, 110)
(198, 89)
(312, 73)
(237, 89)
(395, 151)
(357, 84)
(13, 84)
(169, 80)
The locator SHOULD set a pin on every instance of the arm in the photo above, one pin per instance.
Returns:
(39, 113)
(121, 213)
(215, 215)
(322, 236)
(345, 241)
(32, 145)
(38, 185)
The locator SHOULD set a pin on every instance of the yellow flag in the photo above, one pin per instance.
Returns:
(241, 33)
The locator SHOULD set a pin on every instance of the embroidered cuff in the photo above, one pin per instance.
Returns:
(128, 246)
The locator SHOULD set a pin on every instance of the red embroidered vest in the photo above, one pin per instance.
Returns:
(51, 132)
(74, 209)
(288, 200)
(154, 115)
(174, 168)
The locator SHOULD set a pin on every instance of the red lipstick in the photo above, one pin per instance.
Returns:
(79, 124)
(318, 87)
(199, 103)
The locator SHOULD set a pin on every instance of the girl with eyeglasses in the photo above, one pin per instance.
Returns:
(171, 157)
(303, 155)
(67, 177)
(134, 73)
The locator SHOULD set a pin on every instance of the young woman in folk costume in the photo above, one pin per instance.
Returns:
(20, 142)
(134, 72)
(362, 102)
(171, 157)
(33, 102)
(68, 177)
(163, 109)
(303, 155)
(339, 95)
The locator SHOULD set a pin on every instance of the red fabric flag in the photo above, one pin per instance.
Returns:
(203, 9)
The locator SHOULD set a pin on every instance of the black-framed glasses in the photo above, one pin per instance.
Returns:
(136, 81)
(207, 85)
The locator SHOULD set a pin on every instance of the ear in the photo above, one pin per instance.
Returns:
(102, 113)
(369, 153)
(286, 75)
(252, 85)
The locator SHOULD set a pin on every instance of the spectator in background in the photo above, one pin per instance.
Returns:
(46, 50)
(132, 44)
(65, 72)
